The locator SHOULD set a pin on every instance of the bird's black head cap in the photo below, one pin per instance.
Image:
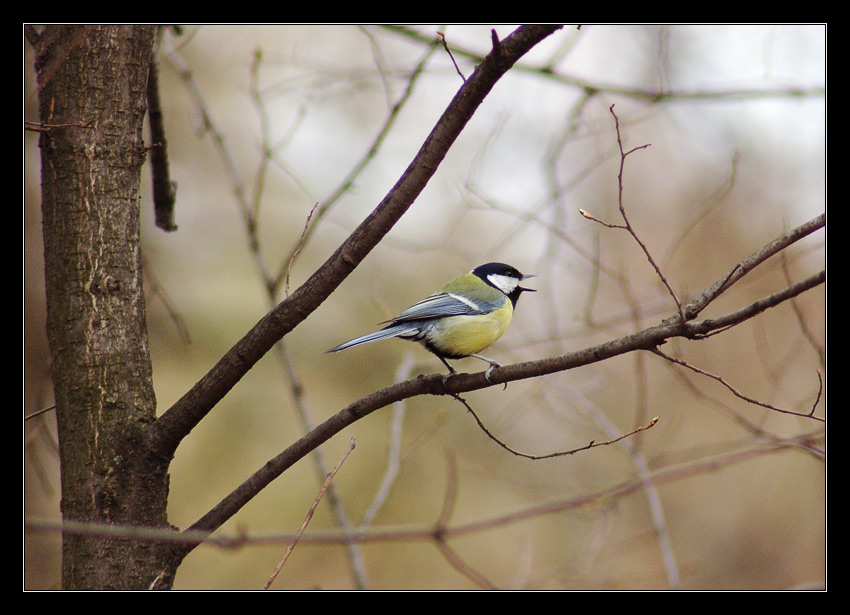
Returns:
(492, 271)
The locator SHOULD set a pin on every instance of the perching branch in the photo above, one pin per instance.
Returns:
(436, 384)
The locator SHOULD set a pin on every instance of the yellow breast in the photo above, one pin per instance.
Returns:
(461, 336)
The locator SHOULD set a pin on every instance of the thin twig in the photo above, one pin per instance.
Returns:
(298, 249)
(652, 96)
(740, 395)
(36, 413)
(449, 51)
(627, 226)
(310, 513)
(592, 444)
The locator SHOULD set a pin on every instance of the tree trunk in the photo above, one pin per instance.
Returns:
(92, 100)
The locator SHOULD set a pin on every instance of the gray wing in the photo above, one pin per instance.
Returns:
(440, 305)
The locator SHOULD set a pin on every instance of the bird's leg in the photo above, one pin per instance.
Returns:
(452, 370)
(493, 363)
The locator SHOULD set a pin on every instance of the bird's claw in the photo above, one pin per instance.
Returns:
(493, 364)
(452, 372)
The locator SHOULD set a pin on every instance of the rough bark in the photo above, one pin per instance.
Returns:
(92, 100)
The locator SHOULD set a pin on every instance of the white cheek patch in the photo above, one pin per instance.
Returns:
(504, 283)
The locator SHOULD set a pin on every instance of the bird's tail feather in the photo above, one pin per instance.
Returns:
(396, 331)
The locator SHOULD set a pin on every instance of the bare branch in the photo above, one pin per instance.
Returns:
(652, 96)
(748, 264)
(807, 333)
(658, 477)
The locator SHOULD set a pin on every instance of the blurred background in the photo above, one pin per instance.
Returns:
(276, 124)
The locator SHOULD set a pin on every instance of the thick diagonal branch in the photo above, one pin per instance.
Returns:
(167, 433)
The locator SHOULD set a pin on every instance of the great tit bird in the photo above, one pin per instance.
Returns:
(460, 319)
